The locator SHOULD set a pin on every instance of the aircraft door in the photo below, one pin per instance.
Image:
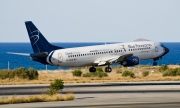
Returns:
(122, 49)
(60, 58)
(155, 52)
(115, 51)
(156, 48)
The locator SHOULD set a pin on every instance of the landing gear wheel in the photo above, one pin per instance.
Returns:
(108, 69)
(155, 63)
(92, 69)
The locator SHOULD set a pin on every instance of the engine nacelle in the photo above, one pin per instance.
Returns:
(131, 61)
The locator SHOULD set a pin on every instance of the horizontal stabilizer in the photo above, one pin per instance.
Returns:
(43, 54)
(22, 54)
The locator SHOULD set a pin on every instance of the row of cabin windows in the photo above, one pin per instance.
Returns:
(119, 51)
(139, 49)
(116, 51)
(106, 52)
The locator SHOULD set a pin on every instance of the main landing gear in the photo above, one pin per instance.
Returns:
(93, 69)
(108, 69)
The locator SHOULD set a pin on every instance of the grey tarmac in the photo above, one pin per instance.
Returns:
(103, 95)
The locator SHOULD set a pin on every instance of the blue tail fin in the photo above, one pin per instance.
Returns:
(38, 41)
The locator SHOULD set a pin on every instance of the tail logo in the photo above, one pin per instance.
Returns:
(35, 36)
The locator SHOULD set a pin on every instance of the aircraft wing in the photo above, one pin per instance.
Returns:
(122, 58)
(113, 59)
(23, 54)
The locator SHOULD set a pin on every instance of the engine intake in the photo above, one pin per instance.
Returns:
(131, 61)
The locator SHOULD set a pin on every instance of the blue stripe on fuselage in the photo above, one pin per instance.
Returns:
(51, 57)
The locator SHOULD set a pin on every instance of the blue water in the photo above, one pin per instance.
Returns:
(17, 61)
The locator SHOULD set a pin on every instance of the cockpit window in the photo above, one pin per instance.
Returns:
(162, 45)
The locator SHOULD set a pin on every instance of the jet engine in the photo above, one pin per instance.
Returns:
(131, 61)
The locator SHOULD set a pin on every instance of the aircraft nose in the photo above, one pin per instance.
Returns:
(166, 50)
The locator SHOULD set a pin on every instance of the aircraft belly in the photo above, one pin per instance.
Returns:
(76, 62)
(84, 61)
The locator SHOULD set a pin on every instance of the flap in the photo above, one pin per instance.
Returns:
(114, 59)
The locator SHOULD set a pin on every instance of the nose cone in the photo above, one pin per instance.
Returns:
(166, 50)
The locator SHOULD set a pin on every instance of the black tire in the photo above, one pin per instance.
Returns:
(92, 69)
(108, 69)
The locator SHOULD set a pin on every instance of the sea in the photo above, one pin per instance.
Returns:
(15, 61)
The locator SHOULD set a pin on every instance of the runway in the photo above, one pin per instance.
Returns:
(108, 95)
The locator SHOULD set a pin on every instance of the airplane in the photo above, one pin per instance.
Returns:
(126, 54)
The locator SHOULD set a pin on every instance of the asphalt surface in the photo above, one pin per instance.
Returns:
(103, 95)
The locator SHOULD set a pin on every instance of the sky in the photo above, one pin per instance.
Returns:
(91, 20)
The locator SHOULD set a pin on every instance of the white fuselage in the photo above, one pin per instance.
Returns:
(90, 55)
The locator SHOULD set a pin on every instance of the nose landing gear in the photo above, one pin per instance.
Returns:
(155, 63)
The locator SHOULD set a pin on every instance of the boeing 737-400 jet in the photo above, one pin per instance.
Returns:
(126, 54)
